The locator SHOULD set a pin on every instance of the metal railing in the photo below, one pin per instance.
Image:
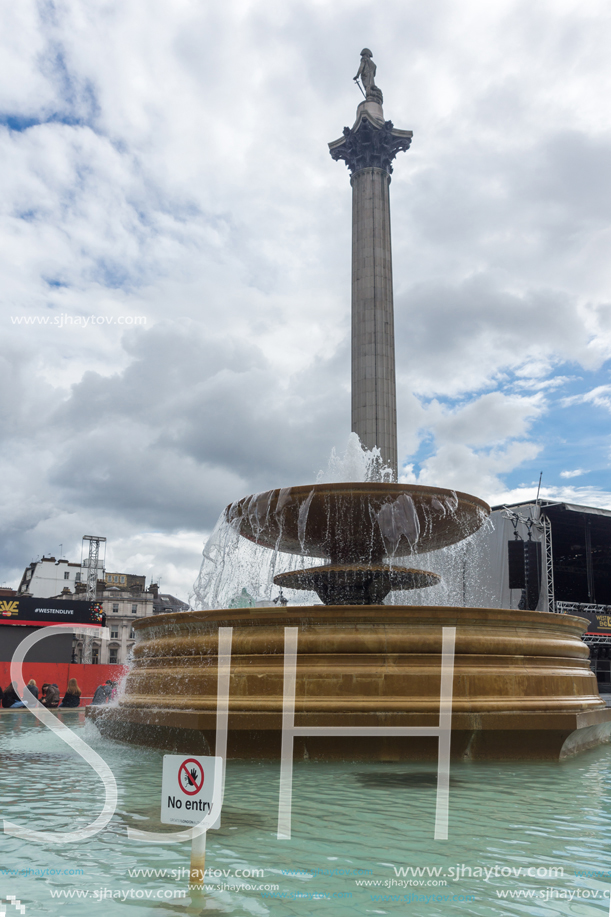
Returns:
(571, 608)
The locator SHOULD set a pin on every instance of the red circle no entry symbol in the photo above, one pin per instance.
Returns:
(190, 776)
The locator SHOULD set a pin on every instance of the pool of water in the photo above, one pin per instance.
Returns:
(523, 838)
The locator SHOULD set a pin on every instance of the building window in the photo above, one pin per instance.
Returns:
(134, 609)
(115, 607)
(67, 574)
(77, 577)
(113, 653)
(132, 634)
(95, 655)
(122, 579)
(114, 634)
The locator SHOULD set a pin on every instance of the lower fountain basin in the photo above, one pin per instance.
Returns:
(523, 687)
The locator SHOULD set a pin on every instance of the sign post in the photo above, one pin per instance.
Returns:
(187, 794)
(198, 860)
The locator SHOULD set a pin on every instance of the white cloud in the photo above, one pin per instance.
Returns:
(572, 474)
(457, 338)
(600, 397)
(462, 468)
(532, 383)
(176, 167)
(167, 559)
(582, 496)
(490, 419)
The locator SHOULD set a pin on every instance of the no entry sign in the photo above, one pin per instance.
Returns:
(187, 788)
(191, 776)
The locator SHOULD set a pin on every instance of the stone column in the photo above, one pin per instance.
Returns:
(374, 412)
(368, 150)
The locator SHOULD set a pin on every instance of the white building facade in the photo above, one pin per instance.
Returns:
(122, 609)
(123, 596)
(48, 577)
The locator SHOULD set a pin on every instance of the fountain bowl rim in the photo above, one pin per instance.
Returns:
(379, 487)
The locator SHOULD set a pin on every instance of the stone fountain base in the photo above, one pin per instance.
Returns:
(523, 687)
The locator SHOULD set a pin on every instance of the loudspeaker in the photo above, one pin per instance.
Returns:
(532, 569)
(517, 579)
(525, 571)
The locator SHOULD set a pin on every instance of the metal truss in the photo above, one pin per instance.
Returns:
(569, 608)
(92, 564)
(597, 639)
(92, 583)
(550, 598)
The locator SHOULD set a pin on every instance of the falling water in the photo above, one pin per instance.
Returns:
(235, 571)
(461, 568)
(232, 563)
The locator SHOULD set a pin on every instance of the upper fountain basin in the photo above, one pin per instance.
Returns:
(357, 522)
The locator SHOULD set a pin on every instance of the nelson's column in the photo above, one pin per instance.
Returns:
(368, 149)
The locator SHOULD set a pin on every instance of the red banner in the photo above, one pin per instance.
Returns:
(88, 677)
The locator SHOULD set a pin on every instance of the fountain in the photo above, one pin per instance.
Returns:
(354, 526)
(523, 687)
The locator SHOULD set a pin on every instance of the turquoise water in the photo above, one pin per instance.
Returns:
(352, 824)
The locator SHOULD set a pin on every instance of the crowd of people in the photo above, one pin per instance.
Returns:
(50, 695)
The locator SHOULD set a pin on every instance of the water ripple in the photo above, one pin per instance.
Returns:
(351, 823)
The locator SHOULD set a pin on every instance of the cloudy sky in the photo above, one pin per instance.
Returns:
(175, 257)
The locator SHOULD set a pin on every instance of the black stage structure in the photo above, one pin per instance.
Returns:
(571, 564)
